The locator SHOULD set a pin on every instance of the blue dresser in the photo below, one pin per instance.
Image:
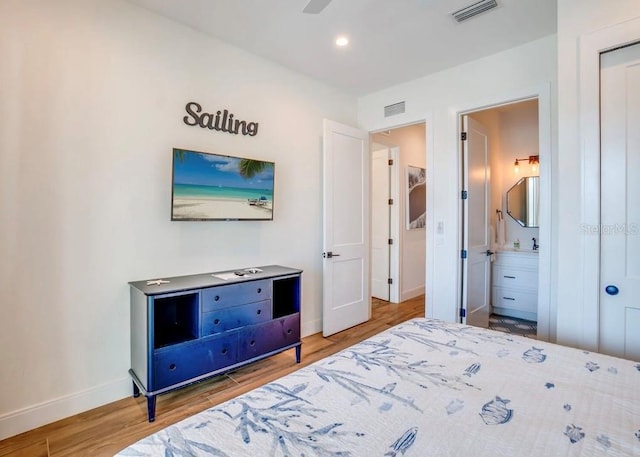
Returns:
(189, 328)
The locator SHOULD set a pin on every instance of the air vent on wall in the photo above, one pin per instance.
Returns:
(473, 10)
(392, 110)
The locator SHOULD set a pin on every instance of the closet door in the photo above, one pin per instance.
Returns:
(620, 203)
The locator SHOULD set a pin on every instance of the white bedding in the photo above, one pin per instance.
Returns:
(427, 388)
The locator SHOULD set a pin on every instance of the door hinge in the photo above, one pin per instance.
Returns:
(390, 281)
(463, 254)
(463, 312)
(390, 240)
(390, 162)
(391, 201)
(464, 195)
(463, 136)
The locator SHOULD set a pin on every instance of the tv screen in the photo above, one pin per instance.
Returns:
(213, 187)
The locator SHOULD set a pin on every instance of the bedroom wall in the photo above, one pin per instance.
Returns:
(92, 100)
(576, 18)
(474, 85)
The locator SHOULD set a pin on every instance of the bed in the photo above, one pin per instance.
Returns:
(426, 388)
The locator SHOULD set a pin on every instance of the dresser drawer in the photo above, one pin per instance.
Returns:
(177, 364)
(515, 299)
(234, 317)
(525, 279)
(269, 336)
(214, 298)
(186, 361)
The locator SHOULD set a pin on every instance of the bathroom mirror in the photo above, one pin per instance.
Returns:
(523, 201)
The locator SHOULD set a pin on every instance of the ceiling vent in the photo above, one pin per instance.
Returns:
(392, 110)
(473, 10)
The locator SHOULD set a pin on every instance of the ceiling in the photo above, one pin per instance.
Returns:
(391, 41)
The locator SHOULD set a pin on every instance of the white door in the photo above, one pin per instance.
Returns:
(477, 239)
(380, 226)
(620, 203)
(346, 222)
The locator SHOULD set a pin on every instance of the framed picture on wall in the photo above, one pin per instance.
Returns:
(416, 201)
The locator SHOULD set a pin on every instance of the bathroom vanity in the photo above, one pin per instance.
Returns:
(514, 288)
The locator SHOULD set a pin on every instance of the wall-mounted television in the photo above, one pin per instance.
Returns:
(214, 187)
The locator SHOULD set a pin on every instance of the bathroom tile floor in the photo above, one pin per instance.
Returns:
(513, 325)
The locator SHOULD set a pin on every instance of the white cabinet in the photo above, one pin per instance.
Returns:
(514, 279)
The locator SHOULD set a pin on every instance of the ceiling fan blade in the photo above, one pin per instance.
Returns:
(315, 6)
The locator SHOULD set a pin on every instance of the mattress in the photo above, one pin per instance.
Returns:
(426, 388)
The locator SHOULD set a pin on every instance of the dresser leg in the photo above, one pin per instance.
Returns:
(151, 407)
(136, 390)
(298, 350)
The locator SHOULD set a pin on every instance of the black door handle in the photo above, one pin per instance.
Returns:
(329, 254)
(490, 252)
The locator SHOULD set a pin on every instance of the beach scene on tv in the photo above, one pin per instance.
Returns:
(218, 187)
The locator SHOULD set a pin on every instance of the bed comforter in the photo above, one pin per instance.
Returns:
(427, 388)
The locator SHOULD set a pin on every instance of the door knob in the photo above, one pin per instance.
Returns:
(328, 255)
(490, 252)
(611, 289)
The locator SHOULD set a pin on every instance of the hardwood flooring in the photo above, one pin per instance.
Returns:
(108, 429)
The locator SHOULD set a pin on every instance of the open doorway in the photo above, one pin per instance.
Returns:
(505, 295)
(398, 235)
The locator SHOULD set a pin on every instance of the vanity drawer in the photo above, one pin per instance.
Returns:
(504, 297)
(517, 259)
(214, 298)
(525, 279)
(225, 319)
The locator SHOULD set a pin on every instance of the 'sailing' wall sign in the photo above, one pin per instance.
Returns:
(221, 121)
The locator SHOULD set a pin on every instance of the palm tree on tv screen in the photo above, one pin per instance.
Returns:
(248, 168)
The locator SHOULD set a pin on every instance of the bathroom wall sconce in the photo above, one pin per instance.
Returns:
(533, 161)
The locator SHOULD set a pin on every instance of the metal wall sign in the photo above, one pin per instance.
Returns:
(221, 121)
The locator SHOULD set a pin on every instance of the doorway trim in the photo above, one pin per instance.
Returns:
(546, 322)
(395, 272)
(590, 47)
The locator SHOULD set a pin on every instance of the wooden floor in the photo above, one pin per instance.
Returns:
(106, 430)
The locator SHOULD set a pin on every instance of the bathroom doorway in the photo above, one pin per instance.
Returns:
(511, 176)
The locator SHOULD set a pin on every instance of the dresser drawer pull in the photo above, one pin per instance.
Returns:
(259, 290)
(216, 298)
(252, 343)
(508, 298)
(224, 351)
(172, 366)
(216, 321)
(289, 331)
(510, 277)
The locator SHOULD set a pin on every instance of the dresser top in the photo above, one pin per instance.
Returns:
(165, 285)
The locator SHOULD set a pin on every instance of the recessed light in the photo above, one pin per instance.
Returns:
(342, 41)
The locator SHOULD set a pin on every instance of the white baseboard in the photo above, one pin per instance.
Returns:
(310, 328)
(412, 293)
(25, 419)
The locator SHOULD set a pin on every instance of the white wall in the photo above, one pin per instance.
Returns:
(474, 85)
(91, 102)
(576, 19)
(411, 140)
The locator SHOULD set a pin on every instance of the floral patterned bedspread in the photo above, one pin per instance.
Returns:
(426, 388)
